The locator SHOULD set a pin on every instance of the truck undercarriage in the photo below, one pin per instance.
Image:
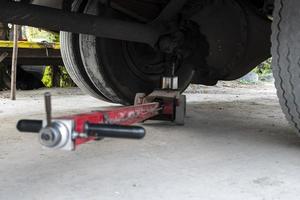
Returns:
(114, 49)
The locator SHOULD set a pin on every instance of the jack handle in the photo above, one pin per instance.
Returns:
(30, 126)
(114, 131)
(34, 126)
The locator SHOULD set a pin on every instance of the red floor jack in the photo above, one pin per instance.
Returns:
(69, 132)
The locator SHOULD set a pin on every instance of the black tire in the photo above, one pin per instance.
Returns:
(118, 68)
(286, 58)
(74, 66)
(72, 59)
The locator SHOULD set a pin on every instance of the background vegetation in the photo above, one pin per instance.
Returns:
(264, 68)
(54, 76)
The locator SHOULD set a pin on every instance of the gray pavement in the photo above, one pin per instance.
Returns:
(236, 144)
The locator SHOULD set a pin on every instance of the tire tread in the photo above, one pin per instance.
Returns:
(284, 69)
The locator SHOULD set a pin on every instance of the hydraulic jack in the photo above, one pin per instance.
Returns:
(69, 132)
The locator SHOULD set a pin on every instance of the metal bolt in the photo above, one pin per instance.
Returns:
(45, 137)
(48, 108)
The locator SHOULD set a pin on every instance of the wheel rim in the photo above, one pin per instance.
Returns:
(143, 60)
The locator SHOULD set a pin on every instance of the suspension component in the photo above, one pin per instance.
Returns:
(61, 20)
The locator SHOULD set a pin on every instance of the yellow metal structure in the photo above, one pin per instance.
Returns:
(30, 45)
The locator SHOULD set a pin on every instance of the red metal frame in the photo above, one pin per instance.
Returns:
(121, 116)
(70, 131)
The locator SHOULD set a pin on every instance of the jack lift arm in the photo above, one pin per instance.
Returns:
(69, 132)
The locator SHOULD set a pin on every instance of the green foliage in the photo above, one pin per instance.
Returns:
(53, 77)
(39, 35)
(65, 79)
(243, 82)
(264, 71)
(264, 68)
(47, 78)
(57, 78)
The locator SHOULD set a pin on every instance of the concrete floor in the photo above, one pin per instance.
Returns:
(236, 145)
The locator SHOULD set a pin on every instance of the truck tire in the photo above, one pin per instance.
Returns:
(286, 58)
(120, 69)
(71, 56)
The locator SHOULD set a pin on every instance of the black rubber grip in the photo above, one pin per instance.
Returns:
(30, 126)
(115, 131)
